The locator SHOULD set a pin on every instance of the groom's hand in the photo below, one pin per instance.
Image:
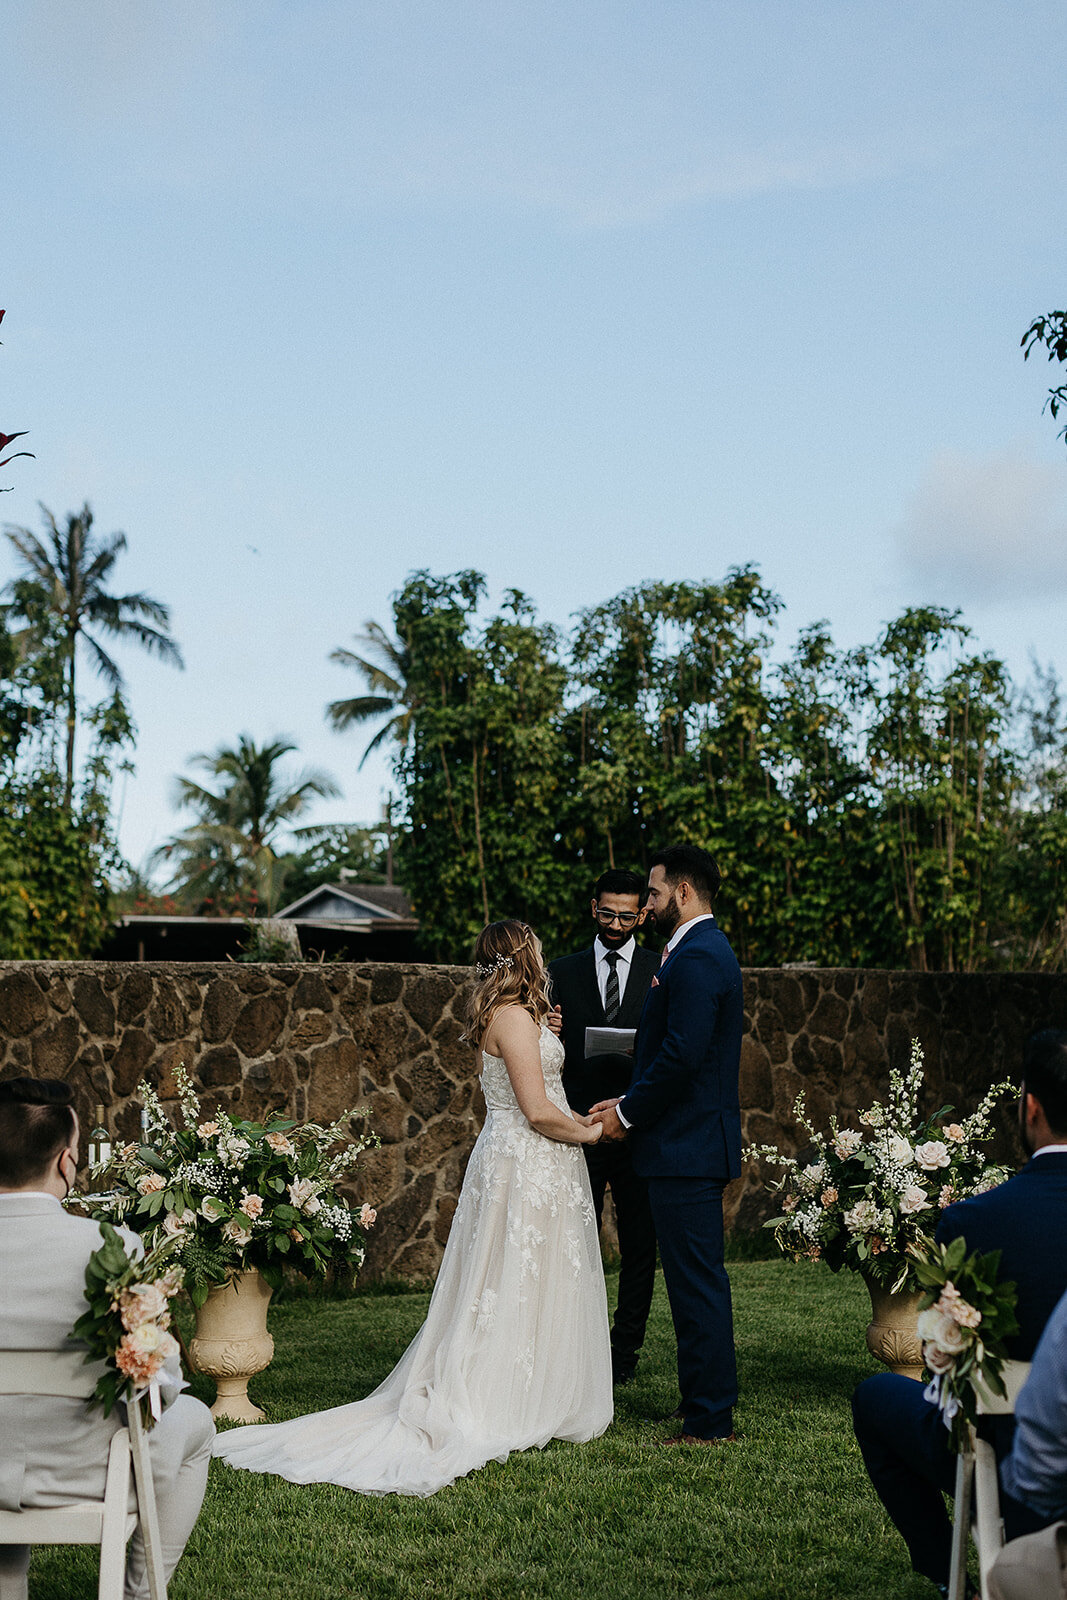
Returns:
(604, 1112)
(554, 1021)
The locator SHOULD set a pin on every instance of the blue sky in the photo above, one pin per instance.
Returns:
(304, 296)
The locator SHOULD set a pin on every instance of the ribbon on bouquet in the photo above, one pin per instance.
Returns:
(945, 1401)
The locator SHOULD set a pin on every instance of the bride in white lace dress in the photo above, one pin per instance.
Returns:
(515, 1348)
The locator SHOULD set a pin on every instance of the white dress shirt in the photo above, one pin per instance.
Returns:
(625, 954)
(675, 939)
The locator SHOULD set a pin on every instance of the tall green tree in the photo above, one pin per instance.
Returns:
(62, 597)
(228, 856)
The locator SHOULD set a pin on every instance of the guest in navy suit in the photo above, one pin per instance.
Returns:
(683, 1119)
(902, 1437)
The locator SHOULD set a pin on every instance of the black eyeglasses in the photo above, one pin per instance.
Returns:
(625, 919)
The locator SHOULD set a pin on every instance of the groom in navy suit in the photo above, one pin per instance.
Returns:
(683, 1117)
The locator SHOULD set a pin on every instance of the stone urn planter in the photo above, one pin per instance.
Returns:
(231, 1343)
(891, 1336)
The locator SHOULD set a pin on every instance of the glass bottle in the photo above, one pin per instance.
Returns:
(99, 1139)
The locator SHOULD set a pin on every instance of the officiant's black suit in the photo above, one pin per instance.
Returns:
(577, 993)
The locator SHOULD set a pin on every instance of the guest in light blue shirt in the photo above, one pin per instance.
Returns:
(1035, 1471)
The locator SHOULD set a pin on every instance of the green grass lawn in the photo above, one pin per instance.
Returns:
(786, 1514)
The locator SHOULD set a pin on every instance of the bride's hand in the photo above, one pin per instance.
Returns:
(595, 1129)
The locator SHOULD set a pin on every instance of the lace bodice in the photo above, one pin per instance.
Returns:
(496, 1085)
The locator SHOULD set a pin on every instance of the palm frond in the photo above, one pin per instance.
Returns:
(342, 714)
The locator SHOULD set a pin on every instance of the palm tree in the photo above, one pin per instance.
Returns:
(62, 593)
(230, 848)
(386, 674)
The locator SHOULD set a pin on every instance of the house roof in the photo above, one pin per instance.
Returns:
(354, 903)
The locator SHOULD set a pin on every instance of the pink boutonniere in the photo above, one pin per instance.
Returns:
(655, 982)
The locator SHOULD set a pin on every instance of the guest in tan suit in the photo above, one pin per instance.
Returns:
(53, 1451)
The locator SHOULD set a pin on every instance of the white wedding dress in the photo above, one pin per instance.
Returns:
(514, 1350)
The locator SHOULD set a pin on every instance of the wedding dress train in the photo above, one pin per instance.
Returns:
(515, 1347)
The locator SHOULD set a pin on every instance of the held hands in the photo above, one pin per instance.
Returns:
(604, 1112)
(554, 1021)
(594, 1129)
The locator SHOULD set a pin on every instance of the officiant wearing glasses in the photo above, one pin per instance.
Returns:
(603, 987)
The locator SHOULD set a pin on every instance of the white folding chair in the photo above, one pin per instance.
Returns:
(107, 1522)
(977, 1486)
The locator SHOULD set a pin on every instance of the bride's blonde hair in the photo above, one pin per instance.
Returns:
(509, 968)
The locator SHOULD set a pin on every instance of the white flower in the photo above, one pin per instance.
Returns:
(211, 1209)
(304, 1196)
(938, 1328)
(932, 1154)
(176, 1222)
(862, 1217)
(846, 1144)
(912, 1199)
(901, 1153)
(812, 1177)
(367, 1216)
(236, 1232)
(150, 1340)
(151, 1183)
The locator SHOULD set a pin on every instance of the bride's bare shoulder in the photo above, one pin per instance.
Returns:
(510, 1026)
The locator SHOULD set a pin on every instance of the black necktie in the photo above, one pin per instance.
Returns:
(611, 992)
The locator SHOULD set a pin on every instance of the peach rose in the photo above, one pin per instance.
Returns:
(280, 1143)
(208, 1130)
(151, 1183)
(367, 1216)
(252, 1206)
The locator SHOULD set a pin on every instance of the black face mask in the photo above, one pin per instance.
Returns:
(67, 1185)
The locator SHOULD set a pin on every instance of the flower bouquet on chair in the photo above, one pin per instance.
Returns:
(965, 1320)
(126, 1325)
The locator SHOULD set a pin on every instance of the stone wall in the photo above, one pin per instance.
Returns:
(315, 1040)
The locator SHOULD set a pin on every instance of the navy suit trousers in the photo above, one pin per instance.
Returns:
(905, 1448)
(687, 1213)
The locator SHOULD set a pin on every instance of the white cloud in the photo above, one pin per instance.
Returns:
(988, 528)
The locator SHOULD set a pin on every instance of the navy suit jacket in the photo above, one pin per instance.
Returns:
(683, 1105)
(1026, 1220)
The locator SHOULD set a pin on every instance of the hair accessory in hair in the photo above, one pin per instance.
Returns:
(495, 965)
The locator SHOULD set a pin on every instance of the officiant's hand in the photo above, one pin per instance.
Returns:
(554, 1021)
(604, 1112)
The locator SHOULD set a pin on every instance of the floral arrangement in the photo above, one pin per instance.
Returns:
(127, 1320)
(231, 1195)
(965, 1321)
(869, 1198)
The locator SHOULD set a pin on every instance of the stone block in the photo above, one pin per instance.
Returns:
(432, 1088)
(168, 1018)
(135, 995)
(386, 985)
(59, 997)
(386, 1115)
(312, 993)
(755, 1084)
(53, 1048)
(22, 1005)
(334, 1082)
(220, 1066)
(311, 1029)
(131, 1060)
(95, 1008)
(259, 1024)
(446, 1210)
(429, 1148)
(829, 1018)
(427, 997)
(221, 1005)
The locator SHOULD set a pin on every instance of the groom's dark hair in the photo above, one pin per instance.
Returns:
(1045, 1075)
(688, 861)
(36, 1123)
(617, 881)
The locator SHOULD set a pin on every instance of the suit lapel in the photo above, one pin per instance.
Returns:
(590, 988)
(633, 1000)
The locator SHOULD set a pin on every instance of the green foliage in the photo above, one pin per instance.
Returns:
(333, 852)
(885, 806)
(1050, 333)
(967, 1315)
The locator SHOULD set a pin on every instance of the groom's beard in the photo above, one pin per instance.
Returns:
(668, 918)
